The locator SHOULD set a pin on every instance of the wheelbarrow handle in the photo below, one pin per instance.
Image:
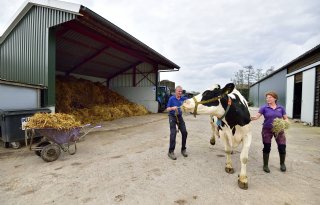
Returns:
(27, 136)
(89, 130)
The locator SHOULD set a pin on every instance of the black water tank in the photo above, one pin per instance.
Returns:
(10, 124)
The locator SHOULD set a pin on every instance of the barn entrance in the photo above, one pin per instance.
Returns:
(297, 96)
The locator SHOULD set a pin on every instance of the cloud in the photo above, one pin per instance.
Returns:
(201, 78)
(210, 40)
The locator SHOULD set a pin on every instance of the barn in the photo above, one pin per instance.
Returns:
(49, 38)
(298, 85)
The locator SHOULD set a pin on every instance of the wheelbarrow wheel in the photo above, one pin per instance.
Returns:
(50, 153)
(75, 148)
(41, 145)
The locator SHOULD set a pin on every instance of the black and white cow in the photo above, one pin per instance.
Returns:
(230, 120)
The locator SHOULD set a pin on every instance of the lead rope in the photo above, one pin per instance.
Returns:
(211, 100)
(177, 119)
(202, 102)
(195, 106)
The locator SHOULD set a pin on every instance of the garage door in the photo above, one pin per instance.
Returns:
(289, 101)
(17, 97)
(308, 91)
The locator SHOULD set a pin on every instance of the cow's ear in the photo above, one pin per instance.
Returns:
(228, 88)
(207, 92)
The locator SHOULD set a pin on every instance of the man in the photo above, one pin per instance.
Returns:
(175, 119)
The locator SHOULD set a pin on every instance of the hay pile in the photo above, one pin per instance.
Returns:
(279, 125)
(92, 102)
(58, 121)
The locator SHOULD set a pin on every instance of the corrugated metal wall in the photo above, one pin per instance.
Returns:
(126, 79)
(317, 99)
(276, 83)
(24, 53)
(254, 95)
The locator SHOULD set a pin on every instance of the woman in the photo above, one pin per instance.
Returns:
(270, 111)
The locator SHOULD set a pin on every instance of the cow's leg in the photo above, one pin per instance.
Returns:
(243, 179)
(215, 131)
(229, 169)
(213, 138)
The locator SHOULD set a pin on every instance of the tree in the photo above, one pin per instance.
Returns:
(243, 78)
(269, 71)
(258, 74)
(249, 74)
(238, 77)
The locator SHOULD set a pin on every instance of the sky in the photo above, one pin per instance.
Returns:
(210, 39)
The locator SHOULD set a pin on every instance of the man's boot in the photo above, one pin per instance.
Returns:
(282, 165)
(265, 162)
(184, 153)
(172, 156)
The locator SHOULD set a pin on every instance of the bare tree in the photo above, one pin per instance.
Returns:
(258, 74)
(269, 71)
(249, 74)
(238, 77)
(241, 76)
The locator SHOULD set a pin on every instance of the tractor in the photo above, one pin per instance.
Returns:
(163, 95)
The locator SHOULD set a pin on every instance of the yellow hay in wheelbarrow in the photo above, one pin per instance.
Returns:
(56, 121)
(279, 125)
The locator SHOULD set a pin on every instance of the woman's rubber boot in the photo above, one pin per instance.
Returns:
(282, 165)
(265, 162)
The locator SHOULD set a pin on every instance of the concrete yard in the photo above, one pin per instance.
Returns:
(126, 162)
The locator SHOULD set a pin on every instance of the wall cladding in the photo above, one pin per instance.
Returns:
(315, 57)
(276, 83)
(126, 79)
(254, 95)
(317, 99)
(24, 53)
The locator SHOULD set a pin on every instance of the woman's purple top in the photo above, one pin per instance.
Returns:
(270, 114)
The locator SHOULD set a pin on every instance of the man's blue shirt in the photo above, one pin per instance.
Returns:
(173, 101)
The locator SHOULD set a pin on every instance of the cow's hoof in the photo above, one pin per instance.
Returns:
(229, 170)
(243, 182)
(243, 185)
(212, 141)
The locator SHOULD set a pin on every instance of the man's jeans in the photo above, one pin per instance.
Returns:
(173, 132)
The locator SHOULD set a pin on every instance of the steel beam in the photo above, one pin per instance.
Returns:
(87, 59)
(100, 38)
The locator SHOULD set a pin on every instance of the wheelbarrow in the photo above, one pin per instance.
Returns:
(55, 140)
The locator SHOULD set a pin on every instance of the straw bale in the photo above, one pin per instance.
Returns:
(92, 102)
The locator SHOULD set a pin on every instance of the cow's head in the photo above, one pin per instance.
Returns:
(209, 100)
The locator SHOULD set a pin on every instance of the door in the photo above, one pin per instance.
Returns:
(289, 101)
(297, 97)
(308, 90)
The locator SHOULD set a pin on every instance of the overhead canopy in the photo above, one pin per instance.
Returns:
(91, 45)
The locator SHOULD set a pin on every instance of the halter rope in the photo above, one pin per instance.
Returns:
(208, 101)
